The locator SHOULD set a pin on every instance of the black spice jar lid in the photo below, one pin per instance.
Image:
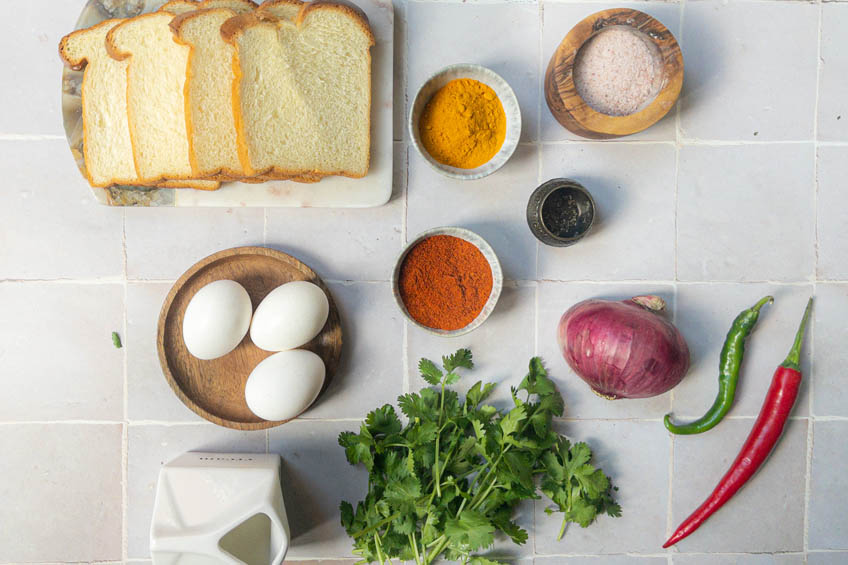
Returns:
(560, 212)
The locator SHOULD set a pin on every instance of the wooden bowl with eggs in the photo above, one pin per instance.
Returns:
(576, 114)
(215, 389)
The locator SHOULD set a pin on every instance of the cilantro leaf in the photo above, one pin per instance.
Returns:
(429, 372)
(462, 358)
(537, 381)
(471, 531)
(478, 393)
(582, 512)
(509, 423)
(346, 511)
(357, 449)
(383, 421)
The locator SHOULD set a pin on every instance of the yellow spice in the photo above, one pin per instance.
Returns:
(463, 124)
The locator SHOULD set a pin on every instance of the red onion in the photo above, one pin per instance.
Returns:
(623, 349)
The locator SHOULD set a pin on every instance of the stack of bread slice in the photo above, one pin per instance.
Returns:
(204, 92)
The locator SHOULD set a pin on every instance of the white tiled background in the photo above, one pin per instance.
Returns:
(739, 192)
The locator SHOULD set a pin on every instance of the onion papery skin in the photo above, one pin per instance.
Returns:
(622, 349)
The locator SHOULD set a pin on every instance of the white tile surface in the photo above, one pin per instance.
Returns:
(31, 94)
(740, 559)
(705, 315)
(371, 369)
(830, 387)
(313, 463)
(602, 560)
(149, 397)
(495, 207)
(73, 470)
(82, 377)
(344, 243)
(741, 208)
(738, 85)
(635, 455)
(162, 243)
(502, 37)
(735, 205)
(633, 234)
(828, 521)
(765, 516)
(52, 227)
(560, 17)
(151, 446)
(828, 558)
(833, 104)
(832, 219)
(580, 401)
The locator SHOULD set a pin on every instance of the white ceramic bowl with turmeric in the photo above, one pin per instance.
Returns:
(504, 94)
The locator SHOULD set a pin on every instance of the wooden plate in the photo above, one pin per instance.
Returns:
(215, 389)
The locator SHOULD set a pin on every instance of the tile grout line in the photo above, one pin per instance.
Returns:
(538, 244)
(810, 383)
(669, 521)
(126, 414)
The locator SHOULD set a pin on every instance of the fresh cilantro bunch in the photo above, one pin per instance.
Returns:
(448, 480)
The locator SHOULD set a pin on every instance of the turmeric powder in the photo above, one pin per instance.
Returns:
(463, 124)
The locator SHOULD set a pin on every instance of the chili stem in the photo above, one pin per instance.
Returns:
(793, 360)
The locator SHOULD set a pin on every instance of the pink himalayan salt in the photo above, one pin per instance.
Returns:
(618, 71)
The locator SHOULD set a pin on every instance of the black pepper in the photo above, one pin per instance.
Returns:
(561, 215)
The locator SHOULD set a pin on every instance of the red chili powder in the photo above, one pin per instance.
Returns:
(445, 282)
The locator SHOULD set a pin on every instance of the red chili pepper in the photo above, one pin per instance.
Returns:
(762, 439)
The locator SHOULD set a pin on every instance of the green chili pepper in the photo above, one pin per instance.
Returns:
(731, 359)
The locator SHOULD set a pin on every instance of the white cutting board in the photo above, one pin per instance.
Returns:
(375, 189)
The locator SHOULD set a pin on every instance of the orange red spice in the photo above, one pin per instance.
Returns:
(445, 282)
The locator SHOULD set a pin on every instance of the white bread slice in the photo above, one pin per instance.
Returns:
(209, 93)
(106, 135)
(303, 90)
(107, 147)
(156, 77)
(285, 10)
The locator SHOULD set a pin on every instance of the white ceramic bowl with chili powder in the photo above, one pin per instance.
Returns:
(511, 111)
(488, 253)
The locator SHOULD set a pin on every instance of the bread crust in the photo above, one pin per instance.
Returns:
(230, 31)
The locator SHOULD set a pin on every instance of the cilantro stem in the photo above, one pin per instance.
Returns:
(414, 543)
(377, 547)
(373, 527)
(437, 473)
(439, 548)
(562, 528)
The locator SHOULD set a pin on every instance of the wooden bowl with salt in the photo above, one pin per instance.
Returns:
(595, 92)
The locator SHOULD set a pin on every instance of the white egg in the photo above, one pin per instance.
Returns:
(217, 319)
(290, 316)
(285, 384)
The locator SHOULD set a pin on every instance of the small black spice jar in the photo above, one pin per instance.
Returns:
(560, 212)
